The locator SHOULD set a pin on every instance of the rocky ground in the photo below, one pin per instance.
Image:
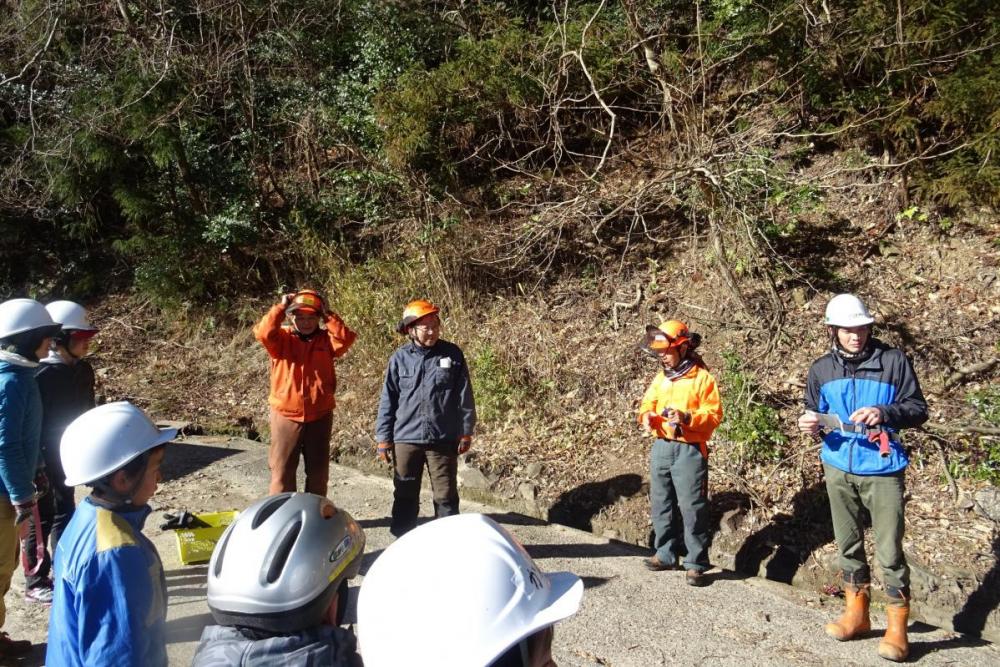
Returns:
(629, 618)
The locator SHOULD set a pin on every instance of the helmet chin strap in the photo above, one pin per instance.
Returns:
(109, 493)
(306, 336)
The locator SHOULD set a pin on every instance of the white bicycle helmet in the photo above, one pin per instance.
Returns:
(105, 439)
(278, 566)
(24, 315)
(70, 316)
(847, 310)
(457, 592)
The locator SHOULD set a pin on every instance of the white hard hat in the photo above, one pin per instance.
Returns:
(21, 315)
(457, 592)
(71, 316)
(104, 439)
(846, 310)
(279, 565)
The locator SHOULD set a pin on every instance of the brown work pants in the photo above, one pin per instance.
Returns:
(441, 460)
(288, 439)
(9, 549)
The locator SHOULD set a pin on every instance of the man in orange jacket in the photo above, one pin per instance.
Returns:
(303, 381)
(682, 409)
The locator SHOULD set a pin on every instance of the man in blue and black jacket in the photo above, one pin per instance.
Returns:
(868, 390)
(426, 416)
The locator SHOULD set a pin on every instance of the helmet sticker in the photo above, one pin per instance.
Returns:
(341, 549)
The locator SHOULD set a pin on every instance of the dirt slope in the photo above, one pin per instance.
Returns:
(558, 376)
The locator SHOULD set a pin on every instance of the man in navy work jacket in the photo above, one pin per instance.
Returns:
(860, 394)
(426, 415)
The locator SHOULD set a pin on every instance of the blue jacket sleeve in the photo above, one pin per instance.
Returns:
(16, 473)
(385, 422)
(117, 610)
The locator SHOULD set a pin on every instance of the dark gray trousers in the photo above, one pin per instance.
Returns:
(678, 479)
(441, 460)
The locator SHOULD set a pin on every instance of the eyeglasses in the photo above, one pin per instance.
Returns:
(427, 328)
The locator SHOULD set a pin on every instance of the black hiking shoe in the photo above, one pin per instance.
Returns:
(696, 578)
(654, 564)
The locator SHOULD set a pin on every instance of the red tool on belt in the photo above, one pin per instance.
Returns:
(35, 518)
(881, 436)
(832, 422)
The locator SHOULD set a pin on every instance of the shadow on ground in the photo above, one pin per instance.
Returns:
(919, 649)
(186, 582)
(983, 602)
(34, 659)
(183, 458)
(187, 628)
(577, 507)
(784, 544)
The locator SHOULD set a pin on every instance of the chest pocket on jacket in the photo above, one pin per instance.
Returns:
(444, 378)
(406, 379)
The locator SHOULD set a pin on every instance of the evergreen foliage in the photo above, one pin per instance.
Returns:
(188, 151)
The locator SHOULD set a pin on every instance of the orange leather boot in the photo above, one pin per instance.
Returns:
(854, 621)
(895, 646)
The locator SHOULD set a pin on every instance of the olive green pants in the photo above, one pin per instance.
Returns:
(882, 496)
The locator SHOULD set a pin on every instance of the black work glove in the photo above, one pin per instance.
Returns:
(24, 511)
(183, 520)
(42, 485)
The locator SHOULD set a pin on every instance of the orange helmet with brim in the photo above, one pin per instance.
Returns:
(414, 311)
(307, 300)
(672, 333)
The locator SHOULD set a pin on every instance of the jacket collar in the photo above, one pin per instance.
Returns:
(16, 360)
(874, 360)
(690, 371)
(420, 349)
(136, 516)
(54, 358)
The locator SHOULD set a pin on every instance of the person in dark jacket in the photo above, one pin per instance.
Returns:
(868, 391)
(66, 383)
(25, 332)
(426, 416)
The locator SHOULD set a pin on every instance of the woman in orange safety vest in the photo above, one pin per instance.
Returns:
(681, 408)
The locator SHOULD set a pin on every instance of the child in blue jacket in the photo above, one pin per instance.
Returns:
(25, 333)
(866, 391)
(110, 594)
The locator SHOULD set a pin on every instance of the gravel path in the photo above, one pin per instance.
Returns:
(630, 617)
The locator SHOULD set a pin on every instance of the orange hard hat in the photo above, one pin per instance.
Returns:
(672, 333)
(307, 300)
(414, 311)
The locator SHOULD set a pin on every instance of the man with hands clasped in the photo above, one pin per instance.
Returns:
(859, 395)
(426, 416)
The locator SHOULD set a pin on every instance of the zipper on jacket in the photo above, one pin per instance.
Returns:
(854, 400)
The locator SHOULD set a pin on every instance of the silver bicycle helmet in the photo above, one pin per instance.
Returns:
(278, 566)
